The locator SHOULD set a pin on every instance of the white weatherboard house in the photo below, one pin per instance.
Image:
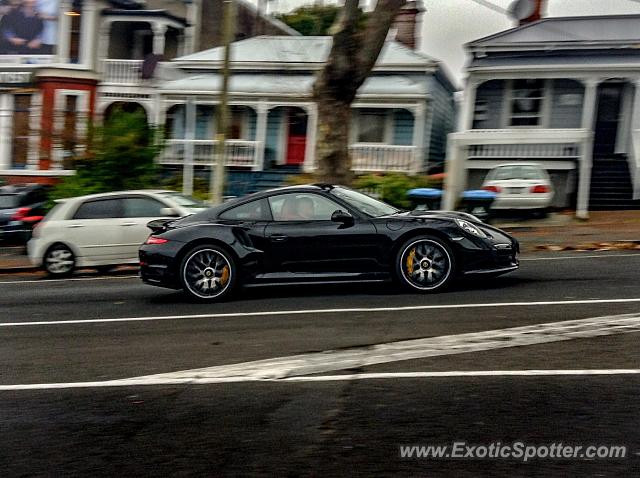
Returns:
(401, 117)
(564, 92)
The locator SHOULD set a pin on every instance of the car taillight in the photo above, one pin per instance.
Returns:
(540, 189)
(20, 214)
(493, 189)
(156, 240)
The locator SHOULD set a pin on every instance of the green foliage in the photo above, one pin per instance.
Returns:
(311, 20)
(200, 186)
(121, 156)
(393, 187)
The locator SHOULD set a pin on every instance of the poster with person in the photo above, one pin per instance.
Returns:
(28, 27)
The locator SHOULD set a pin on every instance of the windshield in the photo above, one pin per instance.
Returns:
(517, 172)
(363, 203)
(185, 201)
(8, 201)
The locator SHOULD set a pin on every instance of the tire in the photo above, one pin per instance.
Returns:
(59, 261)
(425, 264)
(208, 273)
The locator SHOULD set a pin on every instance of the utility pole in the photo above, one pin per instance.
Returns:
(217, 178)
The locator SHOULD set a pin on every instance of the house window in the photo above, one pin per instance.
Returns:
(69, 132)
(527, 102)
(372, 126)
(22, 104)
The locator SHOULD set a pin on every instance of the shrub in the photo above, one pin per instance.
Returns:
(393, 187)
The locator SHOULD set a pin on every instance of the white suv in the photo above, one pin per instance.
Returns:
(102, 230)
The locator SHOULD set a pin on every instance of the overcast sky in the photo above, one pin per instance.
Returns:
(448, 24)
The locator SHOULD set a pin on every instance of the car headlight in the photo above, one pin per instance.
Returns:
(470, 228)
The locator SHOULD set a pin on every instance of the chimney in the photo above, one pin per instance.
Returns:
(539, 12)
(407, 24)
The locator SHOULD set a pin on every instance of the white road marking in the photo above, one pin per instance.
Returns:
(325, 378)
(302, 367)
(275, 313)
(358, 357)
(567, 258)
(72, 279)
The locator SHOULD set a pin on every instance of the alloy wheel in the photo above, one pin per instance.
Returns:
(425, 264)
(59, 260)
(207, 273)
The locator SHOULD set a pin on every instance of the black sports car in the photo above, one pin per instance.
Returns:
(319, 233)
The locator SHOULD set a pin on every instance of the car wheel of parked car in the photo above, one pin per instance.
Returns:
(59, 261)
(425, 264)
(208, 273)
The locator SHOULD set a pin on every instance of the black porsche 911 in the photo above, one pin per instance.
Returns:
(317, 234)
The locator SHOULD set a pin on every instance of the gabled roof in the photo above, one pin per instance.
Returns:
(605, 29)
(302, 49)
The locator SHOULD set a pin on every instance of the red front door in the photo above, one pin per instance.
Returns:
(297, 138)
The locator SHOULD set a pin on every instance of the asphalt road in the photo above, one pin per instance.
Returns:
(102, 375)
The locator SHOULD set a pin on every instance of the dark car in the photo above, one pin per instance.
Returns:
(319, 233)
(21, 208)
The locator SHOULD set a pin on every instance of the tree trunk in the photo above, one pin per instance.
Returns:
(353, 55)
(332, 150)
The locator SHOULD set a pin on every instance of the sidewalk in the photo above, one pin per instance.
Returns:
(605, 230)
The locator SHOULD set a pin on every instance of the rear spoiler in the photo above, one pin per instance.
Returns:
(158, 226)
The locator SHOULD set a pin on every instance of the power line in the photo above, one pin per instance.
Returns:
(498, 8)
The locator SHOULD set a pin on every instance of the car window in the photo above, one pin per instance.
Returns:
(99, 209)
(302, 207)
(143, 207)
(9, 201)
(252, 211)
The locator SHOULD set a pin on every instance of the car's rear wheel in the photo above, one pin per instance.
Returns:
(208, 273)
(59, 261)
(425, 264)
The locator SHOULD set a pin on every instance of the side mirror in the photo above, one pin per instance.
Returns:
(342, 217)
(169, 212)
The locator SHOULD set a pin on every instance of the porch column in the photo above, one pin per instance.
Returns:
(87, 34)
(586, 160)
(309, 164)
(189, 136)
(103, 45)
(261, 134)
(469, 108)
(6, 126)
(419, 124)
(159, 38)
(635, 127)
(64, 32)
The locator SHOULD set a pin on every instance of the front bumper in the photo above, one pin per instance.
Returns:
(495, 255)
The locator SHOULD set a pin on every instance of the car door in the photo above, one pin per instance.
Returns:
(94, 230)
(138, 211)
(309, 242)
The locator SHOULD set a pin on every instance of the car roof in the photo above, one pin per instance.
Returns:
(120, 193)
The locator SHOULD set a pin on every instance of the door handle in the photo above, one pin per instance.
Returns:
(278, 238)
(129, 224)
(75, 226)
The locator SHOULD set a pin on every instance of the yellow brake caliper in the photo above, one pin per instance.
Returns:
(410, 260)
(224, 278)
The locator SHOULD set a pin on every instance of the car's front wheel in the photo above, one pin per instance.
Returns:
(208, 273)
(59, 261)
(425, 264)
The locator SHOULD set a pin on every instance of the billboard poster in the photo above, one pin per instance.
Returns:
(28, 27)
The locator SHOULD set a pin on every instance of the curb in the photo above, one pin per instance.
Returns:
(14, 269)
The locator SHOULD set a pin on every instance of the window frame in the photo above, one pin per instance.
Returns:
(543, 115)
